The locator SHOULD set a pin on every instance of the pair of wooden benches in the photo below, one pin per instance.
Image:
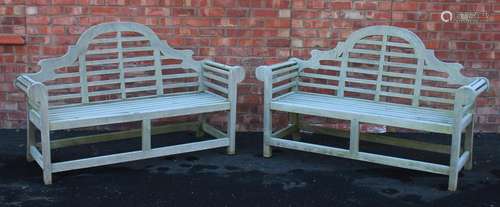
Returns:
(122, 72)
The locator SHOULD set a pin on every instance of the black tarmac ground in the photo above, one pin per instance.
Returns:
(212, 178)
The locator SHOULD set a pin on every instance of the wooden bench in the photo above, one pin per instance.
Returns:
(122, 72)
(379, 75)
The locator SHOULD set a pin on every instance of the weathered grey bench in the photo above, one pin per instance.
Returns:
(379, 75)
(122, 72)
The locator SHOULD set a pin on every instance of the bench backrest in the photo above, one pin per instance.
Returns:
(386, 64)
(114, 61)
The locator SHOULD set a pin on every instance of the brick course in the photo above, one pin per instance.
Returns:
(249, 33)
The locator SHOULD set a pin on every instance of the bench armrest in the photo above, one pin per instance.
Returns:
(237, 72)
(266, 71)
(37, 92)
(24, 82)
(284, 74)
(467, 94)
(229, 75)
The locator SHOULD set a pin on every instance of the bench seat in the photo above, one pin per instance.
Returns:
(365, 111)
(136, 110)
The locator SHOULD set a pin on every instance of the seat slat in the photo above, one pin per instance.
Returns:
(111, 112)
(356, 106)
(132, 105)
(323, 99)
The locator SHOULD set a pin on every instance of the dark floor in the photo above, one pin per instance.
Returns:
(211, 178)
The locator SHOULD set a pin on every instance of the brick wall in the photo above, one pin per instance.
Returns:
(248, 33)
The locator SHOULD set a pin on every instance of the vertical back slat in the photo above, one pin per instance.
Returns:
(418, 81)
(343, 73)
(158, 72)
(120, 64)
(381, 67)
(83, 78)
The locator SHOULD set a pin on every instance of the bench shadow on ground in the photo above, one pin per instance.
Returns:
(212, 178)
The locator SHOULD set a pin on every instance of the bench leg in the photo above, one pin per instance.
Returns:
(30, 139)
(146, 134)
(454, 157)
(267, 151)
(231, 130)
(46, 155)
(468, 144)
(354, 137)
(294, 120)
(201, 121)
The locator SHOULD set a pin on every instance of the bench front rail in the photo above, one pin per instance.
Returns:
(380, 75)
(122, 72)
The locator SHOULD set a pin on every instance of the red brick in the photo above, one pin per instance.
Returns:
(37, 20)
(236, 12)
(265, 13)
(11, 39)
(214, 12)
(278, 42)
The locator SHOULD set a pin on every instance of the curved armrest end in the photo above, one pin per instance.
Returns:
(467, 94)
(241, 73)
(24, 83)
(261, 72)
